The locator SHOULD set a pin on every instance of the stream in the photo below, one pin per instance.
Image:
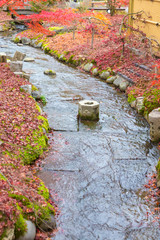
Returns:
(95, 171)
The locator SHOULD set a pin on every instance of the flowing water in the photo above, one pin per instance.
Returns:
(96, 170)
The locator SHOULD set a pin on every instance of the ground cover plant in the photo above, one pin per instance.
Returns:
(100, 39)
(22, 195)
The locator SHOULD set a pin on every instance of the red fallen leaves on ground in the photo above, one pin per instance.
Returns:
(18, 119)
(110, 50)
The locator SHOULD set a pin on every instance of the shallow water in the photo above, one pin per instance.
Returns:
(97, 169)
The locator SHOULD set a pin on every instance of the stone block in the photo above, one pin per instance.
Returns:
(118, 81)
(18, 56)
(3, 57)
(9, 235)
(25, 40)
(110, 80)
(123, 85)
(154, 121)
(104, 75)
(30, 233)
(26, 88)
(88, 110)
(95, 72)
(139, 104)
(88, 67)
(16, 66)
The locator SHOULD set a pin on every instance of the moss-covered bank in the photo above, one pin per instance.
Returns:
(22, 141)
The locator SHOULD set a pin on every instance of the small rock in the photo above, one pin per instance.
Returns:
(1, 28)
(22, 75)
(3, 57)
(26, 41)
(4, 46)
(48, 225)
(29, 59)
(20, 44)
(88, 67)
(26, 88)
(16, 66)
(118, 81)
(104, 75)
(33, 42)
(38, 45)
(61, 57)
(31, 232)
(133, 104)
(36, 94)
(95, 72)
(111, 79)
(123, 85)
(9, 234)
(50, 72)
(18, 56)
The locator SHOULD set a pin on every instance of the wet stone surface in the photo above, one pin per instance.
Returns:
(97, 169)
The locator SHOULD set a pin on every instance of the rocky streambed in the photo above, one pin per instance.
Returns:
(97, 170)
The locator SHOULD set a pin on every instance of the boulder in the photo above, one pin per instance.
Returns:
(26, 41)
(139, 104)
(104, 75)
(16, 66)
(29, 59)
(154, 121)
(110, 80)
(88, 67)
(3, 57)
(50, 72)
(95, 72)
(123, 85)
(118, 81)
(30, 233)
(36, 94)
(9, 235)
(18, 56)
(26, 88)
(48, 225)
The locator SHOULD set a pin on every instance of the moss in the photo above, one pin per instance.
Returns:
(16, 40)
(20, 226)
(38, 108)
(55, 28)
(46, 49)
(34, 88)
(45, 123)
(33, 150)
(42, 190)
(131, 97)
(43, 212)
(37, 142)
(151, 100)
(158, 169)
(2, 177)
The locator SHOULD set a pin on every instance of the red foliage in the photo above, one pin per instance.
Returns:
(18, 119)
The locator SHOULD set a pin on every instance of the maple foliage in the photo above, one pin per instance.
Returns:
(21, 191)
